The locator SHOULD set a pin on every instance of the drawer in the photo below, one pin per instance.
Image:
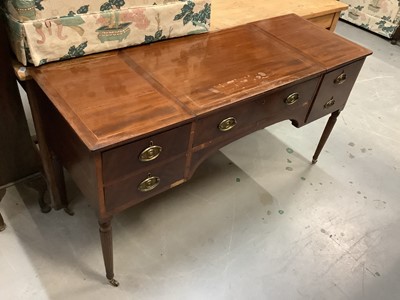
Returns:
(128, 159)
(334, 90)
(287, 103)
(151, 182)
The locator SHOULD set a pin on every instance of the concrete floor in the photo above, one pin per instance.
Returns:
(256, 222)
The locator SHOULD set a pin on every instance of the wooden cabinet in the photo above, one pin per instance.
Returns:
(18, 156)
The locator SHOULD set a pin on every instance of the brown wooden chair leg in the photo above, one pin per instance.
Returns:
(2, 224)
(327, 131)
(107, 248)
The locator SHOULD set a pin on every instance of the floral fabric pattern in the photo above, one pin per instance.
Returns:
(42, 31)
(380, 16)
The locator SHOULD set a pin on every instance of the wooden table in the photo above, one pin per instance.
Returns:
(226, 14)
(133, 123)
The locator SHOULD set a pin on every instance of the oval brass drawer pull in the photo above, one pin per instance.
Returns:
(329, 103)
(150, 183)
(150, 153)
(340, 79)
(292, 98)
(227, 124)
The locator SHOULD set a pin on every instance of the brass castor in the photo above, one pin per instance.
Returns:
(113, 282)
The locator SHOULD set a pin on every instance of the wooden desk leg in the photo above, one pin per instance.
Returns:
(2, 224)
(52, 168)
(327, 131)
(39, 184)
(107, 248)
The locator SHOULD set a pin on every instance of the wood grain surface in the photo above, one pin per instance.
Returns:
(226, 14)
(253, 62)
(323, 47)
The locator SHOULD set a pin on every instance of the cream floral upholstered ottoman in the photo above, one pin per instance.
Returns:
(42, 31)
(379, 16)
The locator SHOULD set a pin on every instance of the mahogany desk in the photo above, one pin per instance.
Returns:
(133, 123)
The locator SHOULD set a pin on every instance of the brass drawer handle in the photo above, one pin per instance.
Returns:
(150, 183)
(329, 103)
(292, 98)
(227, 124)
(340, 79)
(150, 153)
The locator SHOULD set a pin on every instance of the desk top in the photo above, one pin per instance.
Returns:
(127, 94)
(227, 13)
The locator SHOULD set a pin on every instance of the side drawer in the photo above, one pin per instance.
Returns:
(144, 185)
(334, 90)
(131, 158)
(288, 103)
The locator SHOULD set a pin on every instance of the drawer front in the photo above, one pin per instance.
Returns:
(290, 102)
(144, 185)
(133, 157)
(334, 90)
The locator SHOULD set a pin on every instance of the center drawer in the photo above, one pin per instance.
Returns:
(143, 154)
(287, 103)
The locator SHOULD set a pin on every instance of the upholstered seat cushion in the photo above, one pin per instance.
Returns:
(48, 30)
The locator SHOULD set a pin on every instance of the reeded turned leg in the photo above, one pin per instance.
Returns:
(327, 131)
(2, 224)
(107, 248)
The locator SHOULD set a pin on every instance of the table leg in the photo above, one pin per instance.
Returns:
(327, 131)
(52, 168)
(107, 248)
(2, 224)
(39, 184)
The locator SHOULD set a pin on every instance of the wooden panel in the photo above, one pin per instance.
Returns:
(125, 193)
(228, 13)
(105, 101)
(253, 61)
(327, 49)
(18, 157)
(336, 93)
(249, 114)
(124, 160)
